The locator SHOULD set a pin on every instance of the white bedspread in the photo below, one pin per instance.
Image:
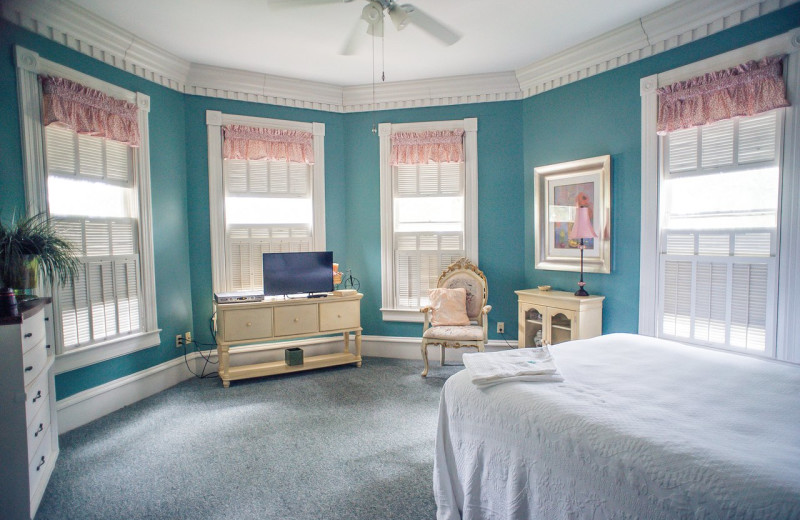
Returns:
(640, 428)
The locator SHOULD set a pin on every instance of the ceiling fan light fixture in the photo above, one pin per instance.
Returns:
(372, 13)
(400, 15)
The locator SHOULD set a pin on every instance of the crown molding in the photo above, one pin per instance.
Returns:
(678, 24)
(454, 90)
(241, 85)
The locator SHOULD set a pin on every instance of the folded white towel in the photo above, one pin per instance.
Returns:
(524, 364)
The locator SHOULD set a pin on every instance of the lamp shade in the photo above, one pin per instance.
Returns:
(582, 228)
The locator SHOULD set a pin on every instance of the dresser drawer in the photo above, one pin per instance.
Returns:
(36, 396)
(40, 460)
(339, 315)
(33, 361)
(36, 430)
(296, 319)
(244, 324)
(32, 331)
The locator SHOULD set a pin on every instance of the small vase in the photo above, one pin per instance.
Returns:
(24, 278)
(8, 302)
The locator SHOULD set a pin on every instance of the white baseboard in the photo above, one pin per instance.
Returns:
(84, 407)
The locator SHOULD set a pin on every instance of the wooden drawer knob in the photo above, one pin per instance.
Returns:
(249, 323)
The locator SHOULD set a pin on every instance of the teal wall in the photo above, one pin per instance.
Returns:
(500, 207)
(602, 115)
(596, 116)
(197, 189)
(168, 181)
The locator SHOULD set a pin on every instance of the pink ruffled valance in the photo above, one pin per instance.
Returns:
(244, 142)
(88, 111)
(425, 147)
(745, 90)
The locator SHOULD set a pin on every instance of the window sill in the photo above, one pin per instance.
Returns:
(408, 315)
(98, 352)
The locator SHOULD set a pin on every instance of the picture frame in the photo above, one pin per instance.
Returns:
(558, 190)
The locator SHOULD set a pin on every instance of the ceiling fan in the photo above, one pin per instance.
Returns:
(401, 16)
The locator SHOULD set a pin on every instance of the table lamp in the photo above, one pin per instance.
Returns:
(582, 228)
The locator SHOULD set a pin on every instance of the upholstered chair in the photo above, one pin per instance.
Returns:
(450, 323)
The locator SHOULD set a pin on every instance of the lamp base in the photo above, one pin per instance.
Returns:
(581, 292)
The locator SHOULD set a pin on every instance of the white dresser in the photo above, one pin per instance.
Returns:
(29, 431)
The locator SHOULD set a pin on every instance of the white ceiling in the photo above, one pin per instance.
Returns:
(304, 42)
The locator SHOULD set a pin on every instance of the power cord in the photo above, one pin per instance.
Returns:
(207, 358)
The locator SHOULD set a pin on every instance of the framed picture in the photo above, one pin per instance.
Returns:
(559, 190)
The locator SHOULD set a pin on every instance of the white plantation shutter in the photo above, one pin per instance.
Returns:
(420, 259)
(421, 256)
(718, 277)
(87, 157)
(266, 178)
(731, 144)
(245, 243)
(103, 301)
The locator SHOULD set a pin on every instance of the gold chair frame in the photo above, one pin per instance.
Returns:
(462, 273)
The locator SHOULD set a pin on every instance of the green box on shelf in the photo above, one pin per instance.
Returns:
(294, 356)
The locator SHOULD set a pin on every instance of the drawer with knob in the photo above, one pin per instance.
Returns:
(36, 430)
(35, 395)
(339, 315)
(244, 324)
(39, 462)
(33, 361)
(296, 319)
(32, 331)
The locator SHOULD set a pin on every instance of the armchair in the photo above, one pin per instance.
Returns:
(461, 274)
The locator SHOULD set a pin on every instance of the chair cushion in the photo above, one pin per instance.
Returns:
(449, 307)
(452, 333)
(473, 288)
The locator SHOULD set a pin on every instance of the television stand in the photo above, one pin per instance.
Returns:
(270, 320)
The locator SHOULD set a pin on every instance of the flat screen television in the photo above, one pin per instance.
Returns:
(298, 273)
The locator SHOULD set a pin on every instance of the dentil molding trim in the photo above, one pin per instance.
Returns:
(678, 24)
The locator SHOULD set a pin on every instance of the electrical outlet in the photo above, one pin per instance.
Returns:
(188, 336)
(178, 341)
(501, 327)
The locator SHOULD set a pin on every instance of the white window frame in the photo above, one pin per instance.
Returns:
(215, 120)
(788, 309)
(385, 131)
(29, 66)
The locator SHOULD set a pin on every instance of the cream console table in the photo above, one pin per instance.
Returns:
(241, 323)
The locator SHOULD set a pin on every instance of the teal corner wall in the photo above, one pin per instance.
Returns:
(197, 190)
(595, 116)
(169, 200)
(602, 115)
(500, 207)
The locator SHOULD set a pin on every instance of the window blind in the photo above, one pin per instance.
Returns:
(103, 300)
(718, 232)
(428, 227)
(277, 194)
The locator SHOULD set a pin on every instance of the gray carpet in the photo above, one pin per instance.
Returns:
(337, 443)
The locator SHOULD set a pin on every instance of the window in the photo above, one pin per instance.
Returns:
(91, 195)
(428, 215)
(264, 205)
(719, 220)
(97, 190)
(719, 199)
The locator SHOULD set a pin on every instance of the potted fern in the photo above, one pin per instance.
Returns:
(29, 246)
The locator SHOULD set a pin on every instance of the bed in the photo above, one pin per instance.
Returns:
(639, 428)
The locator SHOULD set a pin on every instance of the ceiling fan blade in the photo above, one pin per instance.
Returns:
(431, 25)
(353, 40)
(289, 4)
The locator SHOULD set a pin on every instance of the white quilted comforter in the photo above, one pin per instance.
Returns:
(640, 428)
